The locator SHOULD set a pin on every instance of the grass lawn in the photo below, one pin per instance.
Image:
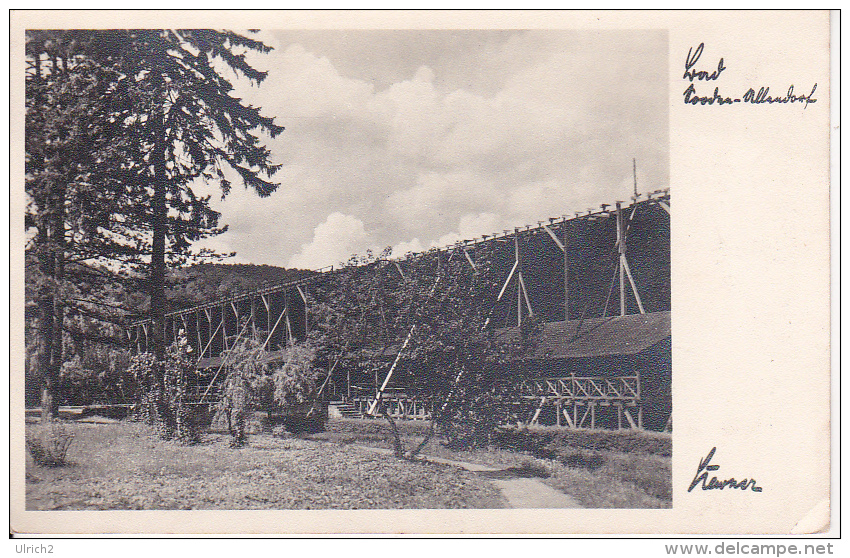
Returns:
(600, 469)
(123, 466)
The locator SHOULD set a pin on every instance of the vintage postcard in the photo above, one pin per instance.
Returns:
(420, 272)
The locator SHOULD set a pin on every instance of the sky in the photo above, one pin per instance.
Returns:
(416, 139)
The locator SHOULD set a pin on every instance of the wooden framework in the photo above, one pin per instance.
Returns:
(575, 400)
(397, 404)
(278, 315)
(275, 315)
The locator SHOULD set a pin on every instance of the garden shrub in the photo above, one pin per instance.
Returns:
(559, 443)
(49, 443)
(253, 383)
(164, 396)
(246, 370)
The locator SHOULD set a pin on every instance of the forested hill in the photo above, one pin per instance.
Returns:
(201, 283)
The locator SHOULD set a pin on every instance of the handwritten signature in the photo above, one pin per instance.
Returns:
(762, 96)
(714, 484)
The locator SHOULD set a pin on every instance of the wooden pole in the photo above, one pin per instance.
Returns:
(632, 283)
(519, 283)
(224, 327)
(621, 247)
(566, 274)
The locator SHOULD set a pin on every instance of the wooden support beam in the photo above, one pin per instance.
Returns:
(621, 243)
(525, 295)
(611, 289)
(566, 273)
(665, 207)
(519, 283)
(253, 318)
(224, 327)
(398, 267)
(469, 259)
(290, 337)
(507, 281)
(223, 362)
(629, 418)
(555, 238)
(625, 265)
(380, 393)
(269, 336)
(198, 330)
(212, 336)
(570, 421)
(538, 411)
(267, 305)
(587, 411)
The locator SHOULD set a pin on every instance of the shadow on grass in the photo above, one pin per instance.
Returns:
(524, 471)
(581, 461)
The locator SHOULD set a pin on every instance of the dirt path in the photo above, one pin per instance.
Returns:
(521, 493)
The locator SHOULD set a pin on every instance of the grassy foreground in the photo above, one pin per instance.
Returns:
(600, 469)
(123, 466)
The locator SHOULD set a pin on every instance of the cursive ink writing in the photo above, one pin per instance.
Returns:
(690, 62)
(762, 97)
(691, 98)
(753, 97)
(714, 484)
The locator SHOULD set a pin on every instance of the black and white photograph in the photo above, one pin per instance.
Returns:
(309, 267)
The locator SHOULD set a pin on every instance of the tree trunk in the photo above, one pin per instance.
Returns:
(57, 248)
(157, 277)
(157, 272)
(397, 443)
(49, 403)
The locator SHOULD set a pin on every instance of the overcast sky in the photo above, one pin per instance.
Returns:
(414, 139)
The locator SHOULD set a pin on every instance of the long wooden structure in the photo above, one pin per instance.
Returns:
(570, 269)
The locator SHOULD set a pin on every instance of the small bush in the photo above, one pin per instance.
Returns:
(49, 445)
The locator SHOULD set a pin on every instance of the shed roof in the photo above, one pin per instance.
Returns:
(595, 337)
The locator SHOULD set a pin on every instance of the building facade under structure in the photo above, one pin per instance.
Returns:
(612, 372)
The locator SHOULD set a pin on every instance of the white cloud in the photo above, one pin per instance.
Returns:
(471, 226)
(515, 128)
(402, 248)
(437, 197)
(334, 241)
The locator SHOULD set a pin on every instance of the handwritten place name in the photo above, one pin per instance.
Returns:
(714, 484)
(691, 61)
(760, 97)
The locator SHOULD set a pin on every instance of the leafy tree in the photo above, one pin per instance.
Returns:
(66, 139)
(254, 381)
(183, 124)
(246, 375)
(427, 320)
(121, 125)
(164, 397)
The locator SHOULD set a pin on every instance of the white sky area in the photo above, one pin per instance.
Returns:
(413, 139)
